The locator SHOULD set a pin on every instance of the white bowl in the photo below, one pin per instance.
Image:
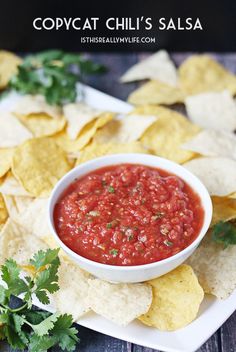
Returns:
(136, 273)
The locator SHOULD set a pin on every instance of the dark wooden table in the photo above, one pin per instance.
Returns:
(224, 340)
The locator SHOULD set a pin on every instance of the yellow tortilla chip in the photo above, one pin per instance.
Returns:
(129, 129)
(51, 242)
(12, 131)
(224, 209)
(30, 213)
(217, 173)
(3, 212)
(2, 180)
(38, 164)
(168, 133)
(213, 110)
(201, 73)
(232, 195)
(42, 125)
(17, 205)
(120, 303)
(158, 66)
(94, 150)
(5, 160)
(8, 66)
(77, 116)
(36, 104)
(73, 293)
(17, 243)
(213, 143)
(176, 300)
(215, 267)
(87, 133)
(10, 186)
(155, 92)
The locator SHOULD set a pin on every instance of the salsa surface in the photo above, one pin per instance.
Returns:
(128, 214)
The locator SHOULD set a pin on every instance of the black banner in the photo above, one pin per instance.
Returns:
(124, 25)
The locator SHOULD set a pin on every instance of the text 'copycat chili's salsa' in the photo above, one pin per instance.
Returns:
(128, 214)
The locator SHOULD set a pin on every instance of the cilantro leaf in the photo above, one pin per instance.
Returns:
(42, 258)
(21, 326)
(2, 294)
(65, 335)
(40, 344)
(12, 336)
(19, 321)
(61, 334)
(224, 233)
(2, 334)
(46, 264)
(46, 281)
(35, 317)
(53, 74)
(42, 296)
(47, 324)
(3, 318)
(11, 276)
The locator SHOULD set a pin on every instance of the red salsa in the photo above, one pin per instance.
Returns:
(128, 214)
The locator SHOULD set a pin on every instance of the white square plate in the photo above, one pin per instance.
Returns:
(213, 313)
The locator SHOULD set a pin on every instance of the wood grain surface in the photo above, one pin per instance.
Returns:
(224, 340)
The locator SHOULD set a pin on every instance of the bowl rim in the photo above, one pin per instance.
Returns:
(204, 194)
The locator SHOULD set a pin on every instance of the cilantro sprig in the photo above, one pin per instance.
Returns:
(53, 74)
(23, 327)
(224, 233)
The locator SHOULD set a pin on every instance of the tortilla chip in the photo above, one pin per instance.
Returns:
(158, 66)
(8, 66)
(129, 129)
(201, 73)
(10, 186)
(12, 132)
(85, 136)
(212, 110)
(36, 104)
(38, 164)
(120, 303)
(42, 125)
(218, 174)
(168, 133)
(215, 267)
(17, 205)
(224, 209)
(3, 212)
(17, 243)
(73, 293)
(30, 213)
(213, 143)
(5, 160)
(78, 115)
(155, 92)
(176, 300)
(94, 150)
(51, 242)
